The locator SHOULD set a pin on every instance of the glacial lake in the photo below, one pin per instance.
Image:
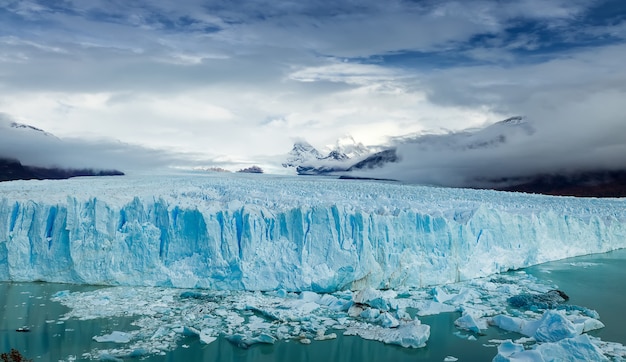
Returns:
(593, 281)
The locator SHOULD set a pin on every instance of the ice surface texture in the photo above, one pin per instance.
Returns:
(260, 232)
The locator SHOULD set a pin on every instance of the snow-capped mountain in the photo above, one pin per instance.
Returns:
(302, 153)
(347, 147)
(308, 160)
(355, 156)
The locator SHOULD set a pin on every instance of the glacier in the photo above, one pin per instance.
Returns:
(264, 232)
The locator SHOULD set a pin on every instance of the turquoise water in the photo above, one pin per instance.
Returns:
(594, 281)
(600, 286)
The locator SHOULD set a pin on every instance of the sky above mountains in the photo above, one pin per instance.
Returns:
(224, 82)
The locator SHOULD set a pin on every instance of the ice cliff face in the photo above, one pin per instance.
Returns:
(258, 232)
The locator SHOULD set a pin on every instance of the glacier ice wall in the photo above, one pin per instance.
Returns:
(259, 232)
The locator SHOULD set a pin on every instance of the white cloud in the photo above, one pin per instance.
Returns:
(34, 148)
(345, 72)
(243, 80)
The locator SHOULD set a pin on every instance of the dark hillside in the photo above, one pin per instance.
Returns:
(13, 170)
(584, 184)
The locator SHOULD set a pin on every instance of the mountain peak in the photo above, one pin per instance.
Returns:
(303, 146)
(301, 152)
(304, 155)
(348, 147)
(513, 123)
(28, 127)
(514, 120)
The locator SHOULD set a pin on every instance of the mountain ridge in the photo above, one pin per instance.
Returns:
(12, 170)
(307, 160)
(492, 139)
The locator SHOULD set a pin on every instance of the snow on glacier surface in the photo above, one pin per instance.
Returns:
(261, 232)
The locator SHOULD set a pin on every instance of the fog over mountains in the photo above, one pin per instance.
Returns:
(515, 154)
(499, 154)
(35, 147)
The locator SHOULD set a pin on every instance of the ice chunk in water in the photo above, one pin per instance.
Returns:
(387, 320)
(468, 322)
(514, 352)
(440, 295)
(508, 348)
(370, 314)
(550, 299)
(375, 298)
(206, 335)
(115, 337)
(508, 323)
(431, 307)
(412, 334)
(553, 327)
(310, 296)
(579, 348)
(245, 341)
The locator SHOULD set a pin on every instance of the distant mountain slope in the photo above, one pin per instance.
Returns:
(510, 155)
(376, 160)
(29, 138)
(11, 170)
(307, 159)
(583, 184)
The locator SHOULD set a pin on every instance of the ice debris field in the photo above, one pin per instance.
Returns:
(267, 258)
(548, 328)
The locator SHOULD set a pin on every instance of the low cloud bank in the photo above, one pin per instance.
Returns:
(509, 151)
(35, 147)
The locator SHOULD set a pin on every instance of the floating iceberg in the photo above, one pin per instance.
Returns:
(468, 322)
(115, 337)
(260, 232)
(411, 334)
(574, 349)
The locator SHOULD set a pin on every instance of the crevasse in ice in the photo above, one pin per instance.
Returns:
(260, 232)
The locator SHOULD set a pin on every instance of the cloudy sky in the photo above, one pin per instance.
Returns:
(231, 81)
